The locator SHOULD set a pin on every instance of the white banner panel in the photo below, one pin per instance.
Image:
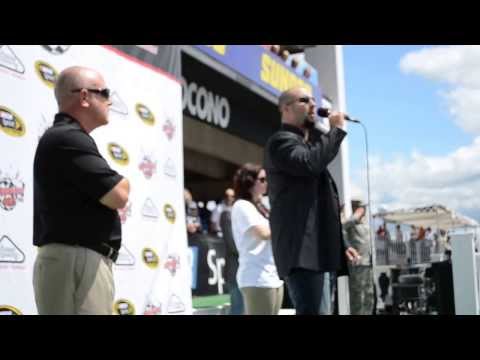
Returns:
(143, 142)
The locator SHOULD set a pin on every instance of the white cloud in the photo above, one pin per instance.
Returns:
(420, 180)
(457, 66)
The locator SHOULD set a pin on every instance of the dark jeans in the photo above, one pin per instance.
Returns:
(236, 301)
(309, 291)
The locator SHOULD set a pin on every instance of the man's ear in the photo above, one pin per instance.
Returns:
(83, 101)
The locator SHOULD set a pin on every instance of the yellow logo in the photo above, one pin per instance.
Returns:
(169, 212)
(220, 49)
(123, 307)
(46, 73)
(11, 123)
(118, 154)
(145, 114)
(278, 77)
(9, 310)
(150, 258)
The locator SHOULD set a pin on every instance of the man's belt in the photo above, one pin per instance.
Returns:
(104, 249)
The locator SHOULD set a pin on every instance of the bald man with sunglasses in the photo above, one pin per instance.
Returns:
(305, 212)
(76, 196)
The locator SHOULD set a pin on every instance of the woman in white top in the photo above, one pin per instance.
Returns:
(257, 277)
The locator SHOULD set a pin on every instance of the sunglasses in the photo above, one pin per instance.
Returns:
(262, 179)
(105, 93)
(306, 99)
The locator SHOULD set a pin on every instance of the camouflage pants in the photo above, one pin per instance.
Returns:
(361, 290)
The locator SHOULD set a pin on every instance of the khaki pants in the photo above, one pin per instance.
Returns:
(72, 280)
(262, 301)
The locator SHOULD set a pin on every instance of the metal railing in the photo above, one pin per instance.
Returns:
(407, 252)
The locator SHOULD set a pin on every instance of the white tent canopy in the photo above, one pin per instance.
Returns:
(437, 216)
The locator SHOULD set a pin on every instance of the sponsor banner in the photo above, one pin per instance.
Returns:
(142, 141)
(263, 68)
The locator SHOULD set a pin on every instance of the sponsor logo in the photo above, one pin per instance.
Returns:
(118, 105)
(125, 212)
(46, 73)
(169, 129)
(280, 77)
(172, 264)
(169, 212)
(118, 154)
(123, 307)
(9, 252)
(10, 123)
(151, 309)
(175, 305)
(9, 310)
(169, 169)
(145, 114)
(9, 60)
(148, 167)
(216, 265)
(205, 105)
(125, 257)
(56, 49)
(149, 210)
(150, 258)
(12, 190)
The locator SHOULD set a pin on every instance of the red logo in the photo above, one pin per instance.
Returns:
(12, 190)
(125, 212)
(148, 167)
(151, 309)
(169, 129)
(172, 264)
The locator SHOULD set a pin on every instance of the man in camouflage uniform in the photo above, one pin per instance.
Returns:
(361, 286)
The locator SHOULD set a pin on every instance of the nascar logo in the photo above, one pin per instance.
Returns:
(11, 123)
(123, 307)
(9, 310)
(150, 258)
(118, 154)
(169, 212)
(46, 73)
(145, 114)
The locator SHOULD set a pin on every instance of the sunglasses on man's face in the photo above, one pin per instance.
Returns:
(105, 93)
(303, 99)
(306, 99)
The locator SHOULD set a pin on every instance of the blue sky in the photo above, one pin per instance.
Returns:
(419, 104)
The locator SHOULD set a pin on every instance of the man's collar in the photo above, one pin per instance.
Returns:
(62, 117)
(293, 129)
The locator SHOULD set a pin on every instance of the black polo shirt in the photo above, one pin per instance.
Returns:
(70, 176)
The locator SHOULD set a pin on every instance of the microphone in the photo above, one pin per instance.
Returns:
(324, 112)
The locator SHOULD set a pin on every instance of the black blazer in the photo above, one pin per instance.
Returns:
(305, 210)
